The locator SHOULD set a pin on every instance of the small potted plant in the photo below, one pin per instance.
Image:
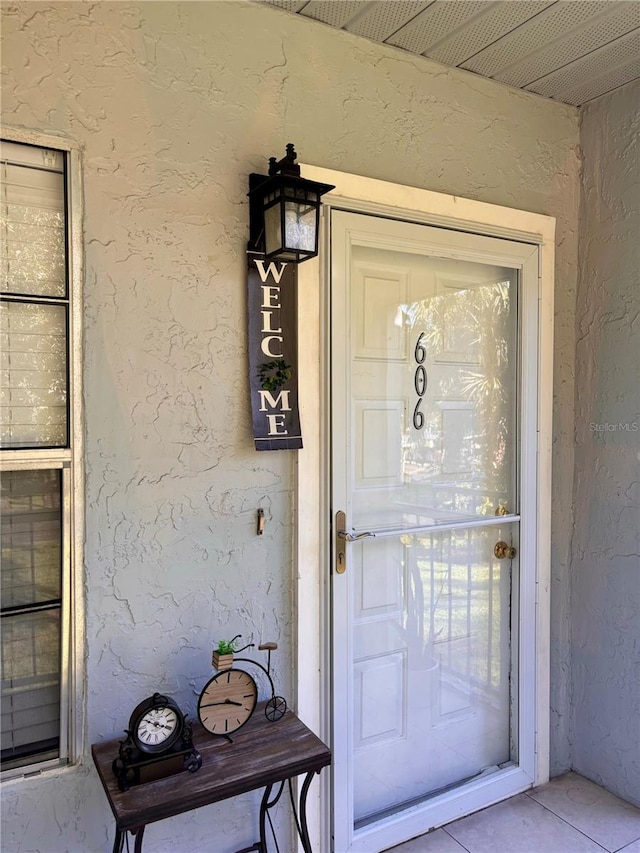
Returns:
(223, 656)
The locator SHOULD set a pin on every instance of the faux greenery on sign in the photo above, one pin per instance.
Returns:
(274, 374)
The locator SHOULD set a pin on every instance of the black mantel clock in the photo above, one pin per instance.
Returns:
(158, 744)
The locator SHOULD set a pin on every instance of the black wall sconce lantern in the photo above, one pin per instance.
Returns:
(284, 211)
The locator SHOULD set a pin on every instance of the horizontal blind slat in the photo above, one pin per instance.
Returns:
(33, 231)
(37, 414)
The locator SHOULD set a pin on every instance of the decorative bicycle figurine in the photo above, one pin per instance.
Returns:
(228, 700)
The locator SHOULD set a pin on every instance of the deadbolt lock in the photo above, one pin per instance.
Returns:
(502, 551)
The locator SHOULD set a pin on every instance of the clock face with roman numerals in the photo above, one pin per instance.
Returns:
(227, 701)
(156, 724)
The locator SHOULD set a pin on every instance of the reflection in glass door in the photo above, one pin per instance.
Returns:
(431, 661)
(433, 371)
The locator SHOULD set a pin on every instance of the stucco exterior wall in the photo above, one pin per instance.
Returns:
(606, 541)
(174, 104)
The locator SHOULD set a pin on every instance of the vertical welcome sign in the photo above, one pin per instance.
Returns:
(273, 353)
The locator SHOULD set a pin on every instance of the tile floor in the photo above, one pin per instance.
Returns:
(569, 815)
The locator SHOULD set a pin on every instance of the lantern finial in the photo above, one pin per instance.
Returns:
(286, 166)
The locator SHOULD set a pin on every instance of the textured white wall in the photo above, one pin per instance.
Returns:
(605, 600)
(174, 104)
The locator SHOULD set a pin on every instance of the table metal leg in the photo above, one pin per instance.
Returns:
(264, 808)
(304, 835)
(299, 814)
(118, 843)
(121, 834)
(138, 834)
(264, 805)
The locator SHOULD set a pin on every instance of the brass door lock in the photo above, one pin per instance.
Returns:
(342, 537)
(502, 550)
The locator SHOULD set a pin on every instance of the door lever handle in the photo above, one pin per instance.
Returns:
(348, 537)
(343, 536)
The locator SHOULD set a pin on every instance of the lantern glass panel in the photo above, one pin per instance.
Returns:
(300, 226)
(272, 229)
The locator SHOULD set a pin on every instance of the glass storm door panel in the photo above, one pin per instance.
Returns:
(431, 663)
(433, 367)
(425, 454)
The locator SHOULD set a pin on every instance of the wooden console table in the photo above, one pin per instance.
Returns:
(262, 755)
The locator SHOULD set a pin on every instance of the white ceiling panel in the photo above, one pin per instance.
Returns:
(556, 21)
(591, 89)
(613, 22)
(288, 5)
(438, 20)
(380, 19)
(493, 22)
(592, 75)
(332, 13)
(569, 50)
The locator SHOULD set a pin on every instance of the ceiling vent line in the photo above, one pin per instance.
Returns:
(532, 36)
(585, 57)
(370, 12)
(581, 40)
(513, 16)
(566, 50)
(508, 32)
(607, 62)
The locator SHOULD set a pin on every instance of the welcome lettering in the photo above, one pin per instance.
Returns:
(273, 354)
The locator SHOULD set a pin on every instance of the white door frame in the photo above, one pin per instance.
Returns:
(312, 682)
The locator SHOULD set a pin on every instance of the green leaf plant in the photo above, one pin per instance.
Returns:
(227, 647)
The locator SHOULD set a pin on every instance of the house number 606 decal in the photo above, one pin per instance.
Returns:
(419, 381)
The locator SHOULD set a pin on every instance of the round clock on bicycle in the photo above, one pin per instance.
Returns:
(227, 701)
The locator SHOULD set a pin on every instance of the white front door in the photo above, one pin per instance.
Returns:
(433, 454)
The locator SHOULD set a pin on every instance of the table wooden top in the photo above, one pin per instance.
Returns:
(261, 753)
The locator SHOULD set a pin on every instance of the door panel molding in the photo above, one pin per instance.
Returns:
(358, 194)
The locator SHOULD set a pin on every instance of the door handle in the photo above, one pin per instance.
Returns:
(347, 537)
(342, 536)
(502, 550)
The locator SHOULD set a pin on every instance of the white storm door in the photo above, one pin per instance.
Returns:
(433, 407)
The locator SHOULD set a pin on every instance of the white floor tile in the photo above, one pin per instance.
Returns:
(519, 825)
(569, 815)
(634, 847)
(595, 812)
(437, 841)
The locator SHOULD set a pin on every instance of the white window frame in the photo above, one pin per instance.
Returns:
(71, 461)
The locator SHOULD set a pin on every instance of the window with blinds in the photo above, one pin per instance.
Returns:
(36, 454)
(31, 576)
(33, 383)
